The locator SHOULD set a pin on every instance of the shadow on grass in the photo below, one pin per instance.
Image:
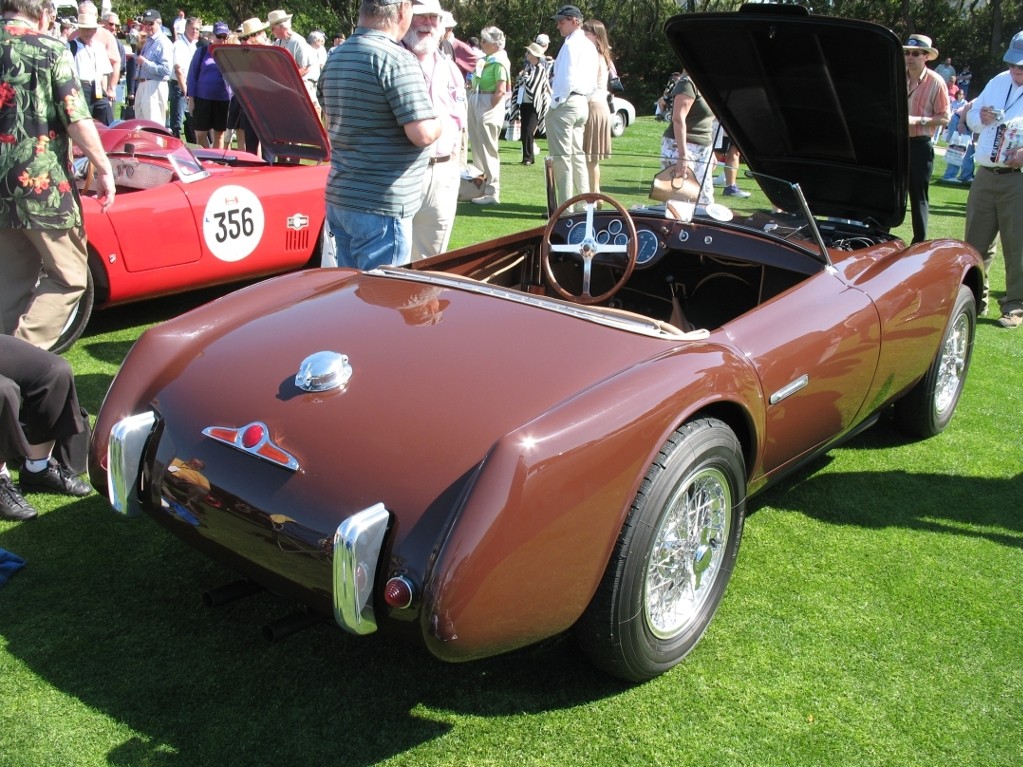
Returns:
(980, 507)
(107, 612)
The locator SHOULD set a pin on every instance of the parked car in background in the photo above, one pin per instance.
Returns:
(623, 114)
(558, 431)
(188, 218)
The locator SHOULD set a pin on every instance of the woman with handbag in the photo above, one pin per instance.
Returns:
(688, 142)
(597, 133)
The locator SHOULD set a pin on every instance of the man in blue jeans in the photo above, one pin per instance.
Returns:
(379, 134)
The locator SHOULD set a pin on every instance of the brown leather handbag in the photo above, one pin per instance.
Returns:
(669, 186)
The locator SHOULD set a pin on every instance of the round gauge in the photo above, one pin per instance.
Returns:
(615, 227)
(577, 234)
(621, 239)
(648, 246)
(603, 237)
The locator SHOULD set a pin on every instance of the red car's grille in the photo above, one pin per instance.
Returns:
(297, 240)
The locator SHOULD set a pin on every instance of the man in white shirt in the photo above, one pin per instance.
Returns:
(184, 50)
(575, 78)
(93, 67)
(996, 195)
(107, 39)
(431, 225)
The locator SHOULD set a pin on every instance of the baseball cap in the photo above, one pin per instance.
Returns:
(567, 12)
(221, 28)
(151, 15)
(1015, 53)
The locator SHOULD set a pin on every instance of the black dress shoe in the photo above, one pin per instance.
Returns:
(53, 479)
(13, 506)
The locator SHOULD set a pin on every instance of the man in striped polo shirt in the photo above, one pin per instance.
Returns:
(381, 121)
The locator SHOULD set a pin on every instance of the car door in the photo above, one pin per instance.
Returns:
(155, 228)
(815, 349)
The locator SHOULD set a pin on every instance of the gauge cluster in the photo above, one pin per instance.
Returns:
(613, 232)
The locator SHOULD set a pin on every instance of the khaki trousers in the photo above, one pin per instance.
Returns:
(44, 273)
(566, 124)
(485, 122)
(431, 226)
(994, 209)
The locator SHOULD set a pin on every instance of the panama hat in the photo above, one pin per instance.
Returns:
(427, 8)
(921, 43)
(250, 27)
(87, 20)
(277, 17)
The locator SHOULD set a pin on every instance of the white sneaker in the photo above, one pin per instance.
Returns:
(487, 199)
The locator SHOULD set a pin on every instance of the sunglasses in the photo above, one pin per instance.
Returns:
(916, 53)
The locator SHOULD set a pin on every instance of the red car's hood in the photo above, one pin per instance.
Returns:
(266, 81)
(438, 375)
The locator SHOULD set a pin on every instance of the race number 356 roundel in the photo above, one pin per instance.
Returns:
(232, 224)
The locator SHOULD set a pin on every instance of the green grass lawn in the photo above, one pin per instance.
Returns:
(874, 617)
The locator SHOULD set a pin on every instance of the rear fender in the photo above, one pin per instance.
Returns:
(531, 542)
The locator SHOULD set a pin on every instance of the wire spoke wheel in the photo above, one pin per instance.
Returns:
(686, 556)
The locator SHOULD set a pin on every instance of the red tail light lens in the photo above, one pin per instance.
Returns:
(398, 593)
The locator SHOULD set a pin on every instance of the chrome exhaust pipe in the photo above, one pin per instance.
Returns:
(229, 592)
(290, 624)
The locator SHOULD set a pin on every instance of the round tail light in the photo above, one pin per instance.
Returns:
(398, 592)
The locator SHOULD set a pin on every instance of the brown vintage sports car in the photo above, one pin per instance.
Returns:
(558, 431)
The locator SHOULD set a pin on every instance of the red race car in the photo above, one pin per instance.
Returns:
(186, 218)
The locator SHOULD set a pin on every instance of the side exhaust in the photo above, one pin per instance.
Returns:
(229, 592)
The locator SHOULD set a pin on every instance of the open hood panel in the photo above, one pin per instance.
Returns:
(267, 83)
(815, 100)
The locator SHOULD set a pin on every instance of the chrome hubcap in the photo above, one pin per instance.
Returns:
(687, 551)
(953, 363)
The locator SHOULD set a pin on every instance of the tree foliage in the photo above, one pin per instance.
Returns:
(974, 32)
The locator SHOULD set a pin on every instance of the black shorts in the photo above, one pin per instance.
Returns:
(208, 115)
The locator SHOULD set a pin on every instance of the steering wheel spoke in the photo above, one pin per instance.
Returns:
(590, 250)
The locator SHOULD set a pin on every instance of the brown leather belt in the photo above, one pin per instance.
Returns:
(435, 160)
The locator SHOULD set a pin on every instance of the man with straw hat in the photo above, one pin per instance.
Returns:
(92, 67)
(929, 109)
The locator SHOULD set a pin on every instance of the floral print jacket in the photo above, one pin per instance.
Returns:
(39, 96)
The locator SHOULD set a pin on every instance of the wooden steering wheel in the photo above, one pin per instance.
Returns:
(590, 250)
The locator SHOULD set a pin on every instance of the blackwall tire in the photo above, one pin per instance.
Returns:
(673, 558)
(929, 406)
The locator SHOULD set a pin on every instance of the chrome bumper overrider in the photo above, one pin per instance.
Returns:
(357, 544)
(124, 460)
